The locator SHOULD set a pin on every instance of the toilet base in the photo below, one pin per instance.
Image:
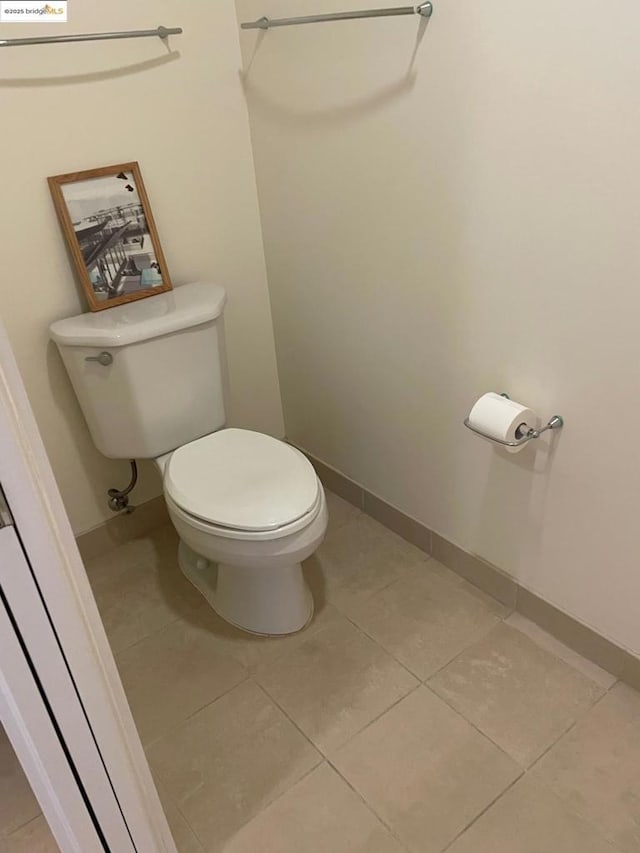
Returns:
(268, 602)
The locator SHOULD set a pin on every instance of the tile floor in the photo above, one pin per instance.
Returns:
(414, 715)
(23, 829)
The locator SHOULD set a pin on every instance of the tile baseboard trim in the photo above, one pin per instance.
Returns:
(122, 528)
(399, 522)
(491, 580)
(479, 572)
(580, 637)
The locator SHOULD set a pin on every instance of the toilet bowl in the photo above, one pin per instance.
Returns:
(248, 510)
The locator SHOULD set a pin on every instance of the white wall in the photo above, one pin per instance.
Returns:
(471, 223)
(183, 117)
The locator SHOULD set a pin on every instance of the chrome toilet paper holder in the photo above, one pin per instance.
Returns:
(525, 432)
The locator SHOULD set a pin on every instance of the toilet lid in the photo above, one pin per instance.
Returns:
(241, 479)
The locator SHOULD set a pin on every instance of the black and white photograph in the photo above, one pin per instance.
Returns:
(108, 223)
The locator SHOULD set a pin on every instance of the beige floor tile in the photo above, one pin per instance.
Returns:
(425, 620)
(229, 761)
(252, 651)
(185, 840)
(18, 805)
(340, 511)
(595, 768)
(547, 641)
(335, 683)
(147, 548)
(529, 819)
(425, 771)
(359, 559)
(173, 673)
(321, 814)
(521, 696)
(34, 837)
(137, 598)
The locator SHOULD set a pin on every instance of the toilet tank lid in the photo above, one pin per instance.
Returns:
(186, 306)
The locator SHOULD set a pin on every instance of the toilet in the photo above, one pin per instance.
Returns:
(247, 507)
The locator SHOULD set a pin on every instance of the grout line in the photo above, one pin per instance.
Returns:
(366, 726)
(355, 734)
(567, 804)
(480, 634)
(5, 835)
(484, 811)
(168, 795)
(379, 645)
(367, 804)
(312, 628)
(137, 642)
(22, 826)
(570, 728)
(289, 718)
(264, 806)
(175, 726)
(518, 592)
(577, 720)
(474, 726)
(243, 680)
(323, 758)
(557, 656)
(526, 768)
(376, 718)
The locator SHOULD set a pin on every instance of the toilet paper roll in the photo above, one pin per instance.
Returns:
(499, 417)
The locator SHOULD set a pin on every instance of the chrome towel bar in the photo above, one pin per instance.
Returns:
(424, 9)
(159, 32)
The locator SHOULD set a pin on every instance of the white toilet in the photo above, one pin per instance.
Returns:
(247, 507)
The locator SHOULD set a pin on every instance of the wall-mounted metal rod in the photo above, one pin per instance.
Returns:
(424, 9)
(524, 433)
(159, 32)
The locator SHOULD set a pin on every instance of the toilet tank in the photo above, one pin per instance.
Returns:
(148, 374)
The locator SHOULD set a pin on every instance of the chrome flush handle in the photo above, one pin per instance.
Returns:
(105, 358)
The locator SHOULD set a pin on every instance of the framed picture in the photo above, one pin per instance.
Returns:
(108, 224)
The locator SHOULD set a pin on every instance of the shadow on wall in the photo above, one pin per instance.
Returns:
(92, 77)
(351, 111)
(508, 529)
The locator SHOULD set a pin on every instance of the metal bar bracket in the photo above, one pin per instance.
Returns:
(264, 23)
(159, 32)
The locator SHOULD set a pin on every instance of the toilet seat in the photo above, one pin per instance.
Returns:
(242, 484)
(247, 535)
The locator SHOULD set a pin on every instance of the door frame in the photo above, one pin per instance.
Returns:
(32, 733)
(59, 576)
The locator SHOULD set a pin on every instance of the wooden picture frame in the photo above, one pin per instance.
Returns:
(107, 222)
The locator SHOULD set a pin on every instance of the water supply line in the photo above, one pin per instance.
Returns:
(119, 498)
